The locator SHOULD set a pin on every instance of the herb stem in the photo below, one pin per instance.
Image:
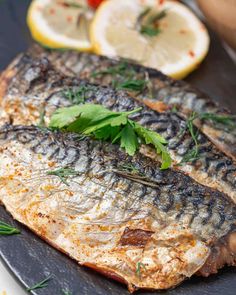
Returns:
(7, 230)
(40, 285)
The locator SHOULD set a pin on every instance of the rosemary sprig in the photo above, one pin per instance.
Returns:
(63, 173)
(7, 230)
(40, 285)
(139, 265)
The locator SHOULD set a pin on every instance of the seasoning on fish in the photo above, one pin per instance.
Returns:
(30, 84)
(160, 92)
(149, 229)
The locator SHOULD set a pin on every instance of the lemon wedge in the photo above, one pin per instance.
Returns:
(60, 24)
(164, 35)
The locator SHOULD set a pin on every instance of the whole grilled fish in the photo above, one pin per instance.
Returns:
(161, 92)
(31, 89)
(117, 214)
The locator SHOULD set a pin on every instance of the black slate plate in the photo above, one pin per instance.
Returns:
(29, 258)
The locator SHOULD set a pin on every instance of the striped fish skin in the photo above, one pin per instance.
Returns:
(166, 92)
(37, 86)
(149, 228)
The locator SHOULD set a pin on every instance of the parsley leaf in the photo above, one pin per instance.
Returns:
(103, 124)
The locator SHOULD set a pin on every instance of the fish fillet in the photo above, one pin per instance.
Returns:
(166, 93)
(149, 229)
(31, 86)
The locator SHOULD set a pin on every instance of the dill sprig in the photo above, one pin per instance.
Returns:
(78, 95)
(7, 230)
(148, 25)
(40, 285)
(193, 155)
(130, 168)
(139, 265)
(227, 120)
(124, 77)
(63, 173)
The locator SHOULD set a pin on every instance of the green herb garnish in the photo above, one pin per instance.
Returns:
(139, 265)
(78, 95)
(150, 31)
(124, 77)
(148, 25)
(7, 230)
(40, 285)
(130, 168)
(63, 174)
(193, 154)
(103, 124)
(133, 85)
(227, 120)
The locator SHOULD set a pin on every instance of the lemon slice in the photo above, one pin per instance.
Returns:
(60, 23)
(181, 41)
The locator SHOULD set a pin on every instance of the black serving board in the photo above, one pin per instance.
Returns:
(28, 257)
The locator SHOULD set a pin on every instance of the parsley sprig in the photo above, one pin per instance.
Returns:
(7, 230)
(103, 124)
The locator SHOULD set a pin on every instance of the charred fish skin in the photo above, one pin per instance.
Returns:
(150, 229)
(212, 168)
(162, 93)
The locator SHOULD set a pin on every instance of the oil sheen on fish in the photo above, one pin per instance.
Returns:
(161, 93)
(142, 226)
(30, 88)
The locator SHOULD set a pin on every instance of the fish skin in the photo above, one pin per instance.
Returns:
(95, 217)
(166, 92)
(35, 85)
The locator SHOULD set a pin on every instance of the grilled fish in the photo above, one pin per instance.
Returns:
(162, 93)
(144, 227)
(31, 87)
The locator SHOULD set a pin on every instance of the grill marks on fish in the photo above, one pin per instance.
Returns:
(107, 221)
(213, 168)
(165, 92)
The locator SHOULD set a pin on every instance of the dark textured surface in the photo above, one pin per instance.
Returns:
(30, 258)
